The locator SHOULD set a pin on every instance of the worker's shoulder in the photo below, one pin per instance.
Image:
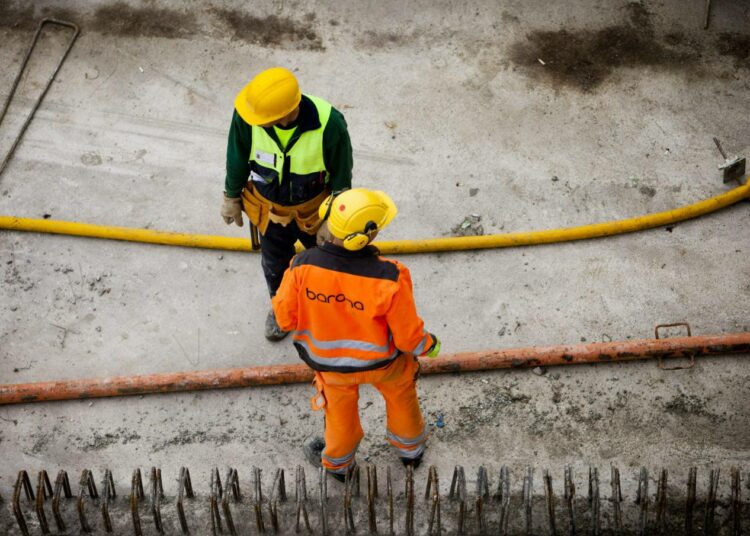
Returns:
(302, 258)
(336, 120)
(400, 268)
(363, 264)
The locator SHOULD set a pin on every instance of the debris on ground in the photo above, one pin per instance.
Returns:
(470, 226)
(440, 423)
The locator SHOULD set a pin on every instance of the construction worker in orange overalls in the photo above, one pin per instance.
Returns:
(354, 321)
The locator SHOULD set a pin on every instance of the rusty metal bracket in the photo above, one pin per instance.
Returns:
(43, 491)
(108, 494)
(185, 490)
(660, 358)
(594, 501)
(88, 487)
(62, 486)
(616, 500)
(136, 493)
(22, 482)
(157, 494)
(458, 491)
(432, 493)
(300, 496)
(232, 483)
(503, 496)
(278, 493)
(213, 501)
(38, 102)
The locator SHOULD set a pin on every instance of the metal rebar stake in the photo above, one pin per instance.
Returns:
(43, 491)
(736, 505)
(503, 493)
(185, 489)
(528, 498)
(22, 482)
(661, 501)
(595, 501)
(62, 487)
(713, 484)
(108, 496)
(549, 496)
(88, 488)
(616, 500)
(136, 493)
(570, 498)
(690, 500)
(432, 493)
(642, 501)
(38, 102)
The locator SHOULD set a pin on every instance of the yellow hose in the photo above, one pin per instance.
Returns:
(527, 238)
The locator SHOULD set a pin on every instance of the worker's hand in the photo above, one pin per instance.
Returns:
(435, 350)
(231, 210)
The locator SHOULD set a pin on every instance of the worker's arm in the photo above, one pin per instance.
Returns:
(407, 327)
(238, 154)
(337, 152)
(285, 301)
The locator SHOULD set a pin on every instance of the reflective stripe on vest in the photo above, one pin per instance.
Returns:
(305, 155)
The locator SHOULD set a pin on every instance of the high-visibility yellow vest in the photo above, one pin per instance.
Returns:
(301, 163)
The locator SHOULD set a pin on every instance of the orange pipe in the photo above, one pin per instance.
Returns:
(538, 356)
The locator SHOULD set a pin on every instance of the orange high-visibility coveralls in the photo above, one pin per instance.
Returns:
(355, 321)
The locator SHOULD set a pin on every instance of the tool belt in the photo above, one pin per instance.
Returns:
(260, 211)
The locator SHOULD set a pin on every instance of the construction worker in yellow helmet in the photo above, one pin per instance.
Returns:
(286, 153)
(354, 321)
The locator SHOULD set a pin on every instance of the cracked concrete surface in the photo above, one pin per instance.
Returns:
(528, 115)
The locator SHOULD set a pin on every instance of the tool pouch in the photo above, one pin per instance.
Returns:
(260, 211)
(255, 208)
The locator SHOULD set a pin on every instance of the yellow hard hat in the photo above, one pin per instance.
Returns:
(268, 97)
(354, 213)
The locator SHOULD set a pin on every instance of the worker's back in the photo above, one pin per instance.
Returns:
(350, 311)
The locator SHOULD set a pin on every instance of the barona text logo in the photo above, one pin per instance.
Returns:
(333, 298)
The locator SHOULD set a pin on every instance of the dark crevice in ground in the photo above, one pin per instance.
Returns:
(584, 59)
(271, 30)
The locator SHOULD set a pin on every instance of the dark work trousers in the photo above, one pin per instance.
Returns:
(277, 250)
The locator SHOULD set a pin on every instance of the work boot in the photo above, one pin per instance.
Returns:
(313, 450)
(341, 477)
(273, 331)
(414, 462)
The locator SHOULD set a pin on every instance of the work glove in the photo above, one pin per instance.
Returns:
(231, 210)
(435, 349)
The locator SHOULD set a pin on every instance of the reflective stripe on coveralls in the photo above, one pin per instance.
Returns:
(351, 311)
(405, 427)
(419, 350)
(345, 343)
(353, 314)
(327, 363)
(339, 465)
(412, 447)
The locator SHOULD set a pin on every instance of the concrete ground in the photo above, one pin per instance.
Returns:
(528, 114)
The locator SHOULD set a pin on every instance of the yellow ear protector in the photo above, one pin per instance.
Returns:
(356, 241)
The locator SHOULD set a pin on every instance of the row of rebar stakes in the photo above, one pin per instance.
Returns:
(457, 492)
